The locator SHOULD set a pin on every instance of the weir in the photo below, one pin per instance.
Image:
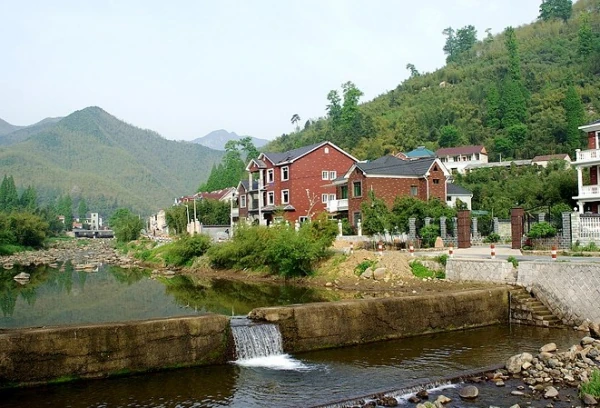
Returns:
(255, 340)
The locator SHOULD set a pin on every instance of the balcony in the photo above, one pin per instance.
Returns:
(337, 205)
(592, 191)
(588, 157)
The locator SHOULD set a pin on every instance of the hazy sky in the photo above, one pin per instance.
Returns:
(185, 68)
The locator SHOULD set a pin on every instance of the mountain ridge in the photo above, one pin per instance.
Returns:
(218, 138)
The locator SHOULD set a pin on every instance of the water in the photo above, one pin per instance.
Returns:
(312, 379)
(57, 296)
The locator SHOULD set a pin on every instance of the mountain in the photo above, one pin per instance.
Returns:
(547, 78)
(6, 128)
(23, 132)
(217, 139)
(92, 154)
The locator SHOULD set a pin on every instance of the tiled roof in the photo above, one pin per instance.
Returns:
(454, 151)
(254, 184)
(393, 166)
(291, 155)
(548, 157)
(420, 151)
(455, 189)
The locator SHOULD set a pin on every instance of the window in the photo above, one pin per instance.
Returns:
(302, 219)
(285, 196)
(285, 173)
(324, 198)
(271, 198)
(243, 201)
(436, 181)
(331, 197)
(324, 175)
(332, 175)
(327, 150)
(414, 191)
(270, 176)
(344, 192)
(356, 218)
(357, 189)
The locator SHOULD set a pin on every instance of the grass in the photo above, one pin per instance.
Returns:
(591, 387)
(421, 271)
(364, 265)
(513, 261)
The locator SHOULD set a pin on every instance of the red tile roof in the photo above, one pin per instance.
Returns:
(455, 151)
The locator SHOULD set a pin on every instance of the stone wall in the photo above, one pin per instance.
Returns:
(336, 324)
(570, 290)
(29, 356)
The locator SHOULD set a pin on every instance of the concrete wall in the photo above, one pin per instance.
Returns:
(29, 356)
(570, 290)
(335, 324)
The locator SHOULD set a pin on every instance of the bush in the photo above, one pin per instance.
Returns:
(591, 387)
(429, 233)
(492, 238)
(542, 230)
(442, 259)
(421, 271)
(181, 252)
(513, 261)
(364, 265)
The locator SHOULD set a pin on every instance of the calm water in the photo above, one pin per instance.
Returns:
(67, 296)
(310, 378)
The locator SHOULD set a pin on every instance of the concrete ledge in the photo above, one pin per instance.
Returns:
(335, 324)
(30, 356)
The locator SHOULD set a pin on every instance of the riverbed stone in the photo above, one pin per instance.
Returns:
(423, 394)
(550, 392)
(548, 348)
(595, 330)
(589, 399)
(379, 273)
(367, 274)
(469, 392)
(587, 340)
(515, 363)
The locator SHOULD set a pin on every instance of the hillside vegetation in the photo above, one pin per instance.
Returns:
(520, 93)
(111, 164)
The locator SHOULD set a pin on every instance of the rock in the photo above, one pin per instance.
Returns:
(379, 273)
(526, 365)
(595, 330)
(423, 394)
(442, 399)
(414, 399)
(587, 340)
(469, 392)
(499, 383)
(551, 392)
(515, 363)
(515, 406)
(387, 402)
(548, 348)
(589, 400)
(426, 405)
(585, 326)
(439, 243)
(545, 356)
(328, 284)
(367, 274)
(517, 393)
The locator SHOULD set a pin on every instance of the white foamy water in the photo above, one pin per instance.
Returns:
(274, 362)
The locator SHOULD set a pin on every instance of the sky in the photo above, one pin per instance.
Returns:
(186, 68)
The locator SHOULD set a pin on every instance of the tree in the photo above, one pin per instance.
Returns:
(514, 59)
(551, 9)
(459, 41)
(449, 136)
(126, 225)
(9, 198)
(28, 200)
(65, 208)
(574, 115)
(248, 147)
(82, 209)
(413, 71)
(493, 107)
(450, 45)
(334, 108)
(177, 219)
(295, 119)
(376, 215)
(585, 37)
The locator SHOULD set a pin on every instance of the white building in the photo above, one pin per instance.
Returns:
(457, 158)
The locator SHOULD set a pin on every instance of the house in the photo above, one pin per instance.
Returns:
(457, 158)
(544, 160)
(225, 194)
(505, 163)
(388, 177)
(294, 185)
(588, 196)
(419, 153)
(455, 193)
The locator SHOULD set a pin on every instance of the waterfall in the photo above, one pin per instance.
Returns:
(258, 340)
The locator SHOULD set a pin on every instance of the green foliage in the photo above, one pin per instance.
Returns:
(459, 42)
(513, 261)
(575, 116)
(428, 234)
(82, 209)
(64, 207)
(442, 259)
(181, 252)
(542, 230)
(232, 168)
(492, 238)
(592, 386)
(177, 218)
(406, 207)
(556, 9)
(421, 271)
(376, 216)
(364, 265)
(449, 137)
(126, 225)
(591, 247)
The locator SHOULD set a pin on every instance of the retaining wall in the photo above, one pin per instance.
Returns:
(571, 290)
(336, 324)
(29, 356)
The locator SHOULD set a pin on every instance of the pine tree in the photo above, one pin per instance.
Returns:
(574, 118)
(585, 36)
(550, 9)
(28, 200)
(493, 107)
(82, 209)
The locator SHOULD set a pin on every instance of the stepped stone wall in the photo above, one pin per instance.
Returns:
(571, 290)
(336, 324)
(30, 356)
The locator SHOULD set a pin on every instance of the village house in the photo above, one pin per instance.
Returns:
(456, 159)
(545, 159)
(294, 185)
(388, 177)
(588, 196)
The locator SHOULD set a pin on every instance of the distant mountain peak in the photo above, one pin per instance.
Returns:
(218, 138)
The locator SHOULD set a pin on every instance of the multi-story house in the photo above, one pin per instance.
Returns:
(588, 196)
(388, 177)
(295, 185)
(457, 158)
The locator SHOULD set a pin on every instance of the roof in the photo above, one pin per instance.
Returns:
(214, 195)
(392, 166)
(419, 152)
(295, 154)
(454, 151)
(506, 163)
(548, 157)
(590, 126)
(454, 190)
(245, 184)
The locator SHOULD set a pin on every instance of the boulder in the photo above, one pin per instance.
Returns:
(515, 363)
(442, 399)
(589, 399)
(379, 273)
(587, 340)
(469, 392)
(550, 392)
(423, 394)
(439, 243)
(367, 274)
(548, 348)
(595, 330)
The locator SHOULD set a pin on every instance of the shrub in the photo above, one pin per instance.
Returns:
(492, 238)
(364, 265)
(183, 251)
(542, 230)
(513, 261)
(442, 259)
(592, 386)
(428, 234)
(421, 271)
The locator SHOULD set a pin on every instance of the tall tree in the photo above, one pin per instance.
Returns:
(9, 197)
(65, 208)
(585, 36)
(492, 117)
(295, 119)
(574, 117)
(450, 44)
(126, 225)
(28, 200)
(249, 148)
(82, 209)
(334, 108)
(514, 59)
(413, 70)
(551, 9)
(449, 136)
(459, 41)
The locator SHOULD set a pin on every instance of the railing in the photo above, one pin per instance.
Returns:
(588, 155)
(590, 191)
(235, 212)
(337, 205)
(589, 228)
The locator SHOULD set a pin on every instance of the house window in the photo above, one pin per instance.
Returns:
(324, 198)
(324, 175)
(285, 173)
(327, 150)
(331, 197)
(356, 218)
(285, 196)
(271, 198)
(436, 181)
(357, 189)
(332, 175)
(243, 201)
(270, 176)
(414, 191)
(302, 219)
(344, 192)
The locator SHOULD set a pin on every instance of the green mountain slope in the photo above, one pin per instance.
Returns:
(108, 162)
(460, 97)
(6, 128)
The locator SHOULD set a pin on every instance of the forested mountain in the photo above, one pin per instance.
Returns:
(520, 93)
(217, 139)
(110, 163)
(6, 128)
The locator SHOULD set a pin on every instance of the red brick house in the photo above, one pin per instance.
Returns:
(296, 183)
(388, 177)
